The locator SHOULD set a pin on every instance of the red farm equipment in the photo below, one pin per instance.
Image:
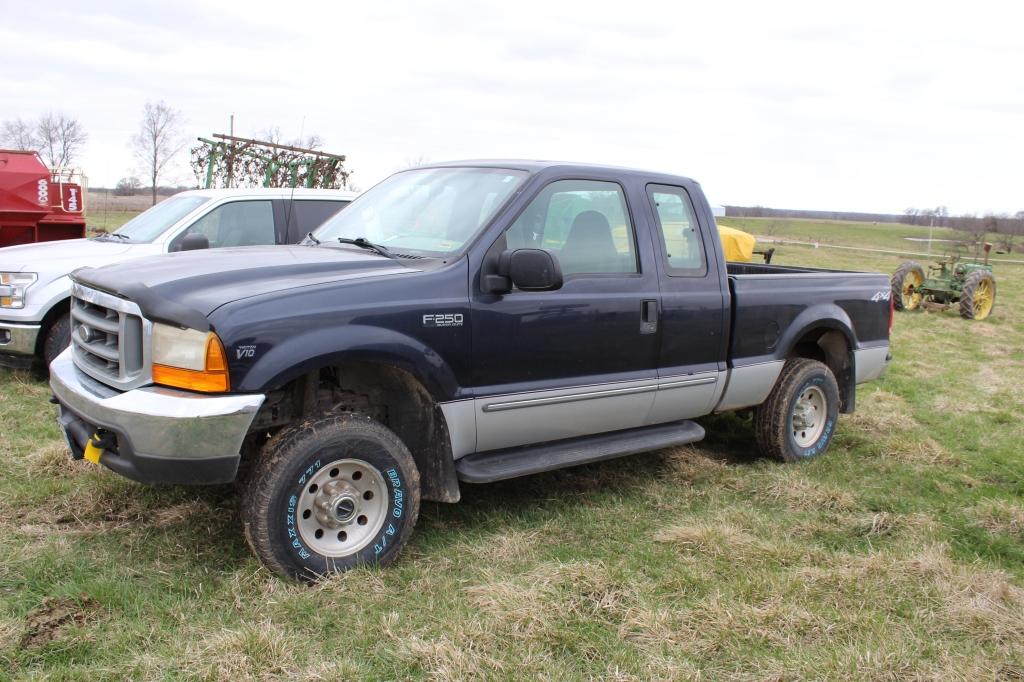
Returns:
(39, 204)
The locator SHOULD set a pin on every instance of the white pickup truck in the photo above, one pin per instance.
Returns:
(34, 285)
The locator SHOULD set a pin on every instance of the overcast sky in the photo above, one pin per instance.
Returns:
(845, 106)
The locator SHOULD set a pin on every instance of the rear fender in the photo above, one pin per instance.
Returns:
(825, 317)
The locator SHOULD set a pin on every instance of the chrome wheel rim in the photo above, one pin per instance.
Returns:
(809, 414)
(342, 507)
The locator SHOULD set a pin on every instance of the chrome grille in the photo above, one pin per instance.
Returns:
(109, 338)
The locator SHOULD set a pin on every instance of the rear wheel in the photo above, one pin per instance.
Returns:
(58, 337)
(329, 495)
(978, 296)
(906, 284)
(798, 419)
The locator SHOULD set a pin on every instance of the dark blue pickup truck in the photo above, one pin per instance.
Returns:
(461, 322)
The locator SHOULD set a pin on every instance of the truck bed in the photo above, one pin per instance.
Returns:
(772, 303)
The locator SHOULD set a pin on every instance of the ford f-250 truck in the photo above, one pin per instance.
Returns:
(463, 322)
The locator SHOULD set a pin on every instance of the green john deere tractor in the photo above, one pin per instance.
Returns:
(951, 280)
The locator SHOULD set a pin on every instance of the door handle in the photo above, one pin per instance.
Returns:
(648, 317)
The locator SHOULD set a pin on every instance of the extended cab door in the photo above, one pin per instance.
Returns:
(692, 359)
(582, 359)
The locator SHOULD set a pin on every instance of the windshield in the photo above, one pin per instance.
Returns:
(433, 211)
(152, 223)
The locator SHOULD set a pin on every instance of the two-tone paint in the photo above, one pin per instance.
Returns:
(528, 367)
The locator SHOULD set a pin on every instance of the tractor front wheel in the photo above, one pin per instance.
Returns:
(978, 296)
(906, 285)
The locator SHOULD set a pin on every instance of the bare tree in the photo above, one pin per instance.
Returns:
(18, 134)
(414, 161)
(158, 140)
(60, 138)
(273, 134)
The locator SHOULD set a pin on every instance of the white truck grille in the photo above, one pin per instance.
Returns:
(110, 338)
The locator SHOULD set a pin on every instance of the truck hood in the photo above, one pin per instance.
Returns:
(202, 281)
(65, 255)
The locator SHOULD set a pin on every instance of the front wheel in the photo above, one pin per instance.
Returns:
(58, 337)
(798, 419)
(329, 495)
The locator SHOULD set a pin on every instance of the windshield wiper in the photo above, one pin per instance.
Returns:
(112, 234)
(364, 243)
(310, 237)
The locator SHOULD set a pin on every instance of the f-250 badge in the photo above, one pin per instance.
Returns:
(442, 320)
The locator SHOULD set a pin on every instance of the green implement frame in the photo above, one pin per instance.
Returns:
(230, 160)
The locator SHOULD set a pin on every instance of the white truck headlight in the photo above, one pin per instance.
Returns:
(13, 286)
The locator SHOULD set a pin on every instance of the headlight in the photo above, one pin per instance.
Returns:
(187, 358)
(13, 286)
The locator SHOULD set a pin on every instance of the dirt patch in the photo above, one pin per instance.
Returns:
(46, 622)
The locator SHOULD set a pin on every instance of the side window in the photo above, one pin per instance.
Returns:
(684, 250)
(239, 223)
(584, 223)
(306, 215)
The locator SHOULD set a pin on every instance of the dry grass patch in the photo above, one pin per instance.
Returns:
(999, 516)
(255, 651)
(952, 598)
(511, 545)
(535, 604)
(714, 538)
(800, 493)
(880, 413)
(446, 659)
(691, 464)
(54, 459)
(915, 449)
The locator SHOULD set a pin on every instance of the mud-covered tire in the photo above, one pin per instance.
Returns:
(908, 276)
(58, 337)
(287, 504)
(802, 384)
(978, 297)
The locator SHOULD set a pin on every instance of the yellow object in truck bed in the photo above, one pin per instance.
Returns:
(737, 244)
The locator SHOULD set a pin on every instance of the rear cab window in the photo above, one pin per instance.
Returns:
(682, 247)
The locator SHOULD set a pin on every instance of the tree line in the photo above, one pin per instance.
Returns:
(1002, 228)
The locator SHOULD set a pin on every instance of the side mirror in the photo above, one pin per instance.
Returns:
(531, 269)
(195, 241)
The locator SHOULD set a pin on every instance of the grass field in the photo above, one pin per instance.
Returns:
(898, 555)
(106, 212)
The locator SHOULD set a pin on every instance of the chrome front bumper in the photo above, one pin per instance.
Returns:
(163, 435)
(17, 338)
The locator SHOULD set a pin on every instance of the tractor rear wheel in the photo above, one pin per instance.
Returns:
(978, 296)
(906, 285)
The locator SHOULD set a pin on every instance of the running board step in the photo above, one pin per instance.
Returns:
(497, 465)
